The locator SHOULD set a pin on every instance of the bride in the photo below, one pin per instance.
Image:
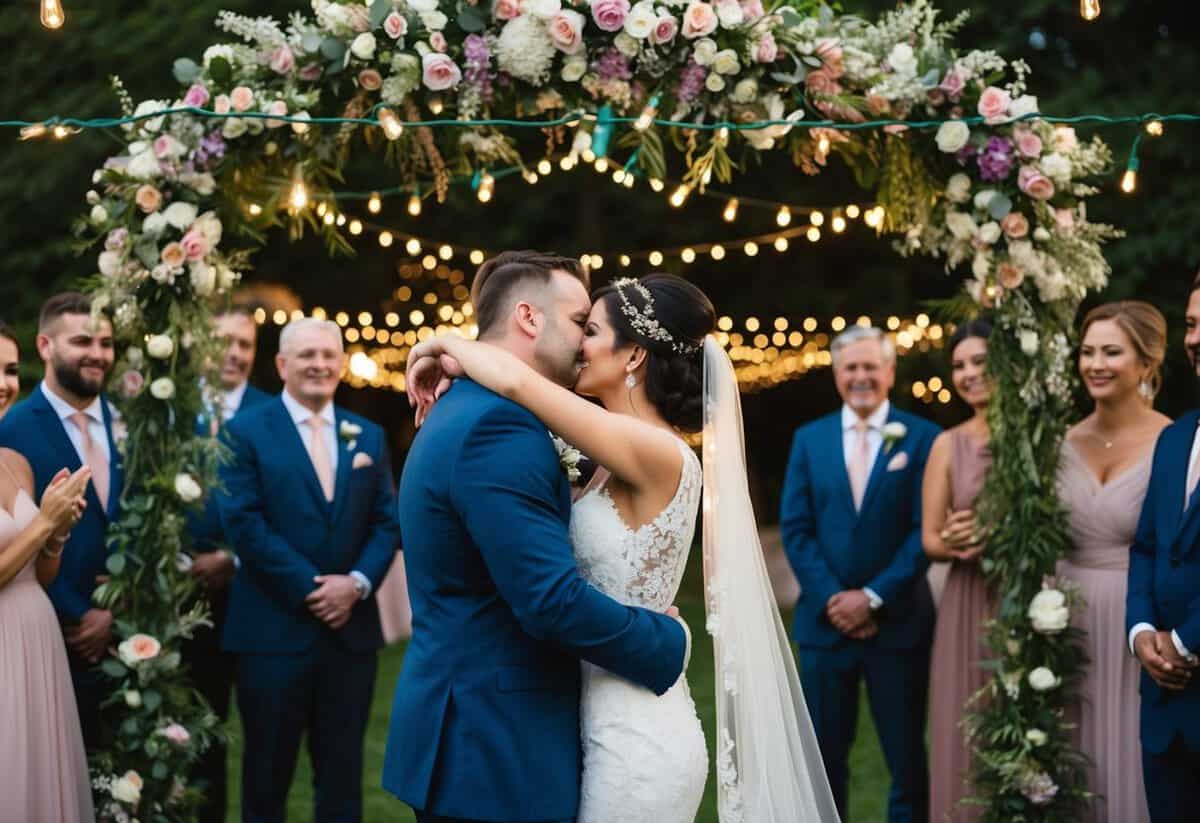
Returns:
(650, 362)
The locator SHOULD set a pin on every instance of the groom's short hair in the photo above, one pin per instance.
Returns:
(499, 280)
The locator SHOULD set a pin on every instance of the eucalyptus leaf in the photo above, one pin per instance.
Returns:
(1000, 206)
(159, 770)
(151, 700)
(470, 19)
(147, 253)
(115, 564)
(220, 70)
(792, 78)
(379, 10)
(790, 17)
(130, 726)
(113, 667)
(185, 70)
(930, 79)
(332, 48)
(334, 67)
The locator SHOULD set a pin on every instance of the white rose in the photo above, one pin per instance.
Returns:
(902, 60)
(99, 214)
(961, 225)
(154, 224)
(160, 346)
(1041, 235)
(203, 278)
(203, 183)
(1057, 167)
(134, 357)
(434, 20)
(714, 83)
(574, 68)
(745, 91)
(1036, 737)
(730, 14)
(1042, 679)
(187, 488)
(210, 227)
(127, 789)
(626, 44)
(983, 199)
(705, 51)
(1029, 345)
(894, 431)
(952, 136)
(958, 189)
(641, 20)
(92, 197)
(162, 389)
(990, 232)
(1025, 104)
(544, 9)
(133, 698)
(143, 165)
(180, 215)
(420, 6)
(109, 263)
(726, 62)
(981, 265)
(149, 107)
(363, 46)
(234, 128)
(1048, 610)
(222, 50)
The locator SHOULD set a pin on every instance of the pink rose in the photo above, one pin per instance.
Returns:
(359, 17)
(173, 255)
(370, 80)
(1065, 220)
(282, 60)
(766, 51)
(439, 73)
(699, 20)
(752, 9)
(116, 239)
(395, 26)
(610, 14)
(1009, 275)
(821, 81)
(993, 104)
(1015, 225)
(1034, 183)
(829, 52)
(166, 146)
(196, 96)
(437, 42)
(506, 9)
(131, 383)
(241, 98)
(221, 104)
(311, 72)
(953, 84)
(194, 245)
(566, 31)
(665, 29)
(176, 734)
(148, 198)
(1029, 145)
(277, 107)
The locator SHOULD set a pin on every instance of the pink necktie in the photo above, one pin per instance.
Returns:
(859, 463)
(93, 457)
(320, 456)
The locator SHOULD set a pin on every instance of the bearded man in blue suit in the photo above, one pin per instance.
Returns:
(851, 523)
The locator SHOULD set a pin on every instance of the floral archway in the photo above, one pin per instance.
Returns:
(257, 132)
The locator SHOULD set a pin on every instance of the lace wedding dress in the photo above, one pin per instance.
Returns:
(644, 757)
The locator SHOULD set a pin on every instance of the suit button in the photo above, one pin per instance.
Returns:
(1174, 562)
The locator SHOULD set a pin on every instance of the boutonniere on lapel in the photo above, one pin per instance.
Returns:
(349, 433)
(568, 458)
(893, 433)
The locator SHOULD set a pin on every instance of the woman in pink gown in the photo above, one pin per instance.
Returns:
(954, 475)
(1103, 476)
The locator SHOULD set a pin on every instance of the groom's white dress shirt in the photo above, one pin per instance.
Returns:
(1192, 476)
(875, 424)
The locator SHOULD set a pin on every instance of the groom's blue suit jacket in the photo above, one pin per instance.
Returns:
(485, 719)
(832, 547)
(1164, 583)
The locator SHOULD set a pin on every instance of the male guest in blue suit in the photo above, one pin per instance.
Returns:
(485, 719)
(67, 422)
(214, 564)
(851, 524)
(1163, 609)
(309, 509)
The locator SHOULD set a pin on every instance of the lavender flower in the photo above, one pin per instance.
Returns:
(612, 65)
(691, 81)
(996, 159)
(210, 150)
(476, 58)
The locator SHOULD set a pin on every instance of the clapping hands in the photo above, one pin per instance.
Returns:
(63, 502)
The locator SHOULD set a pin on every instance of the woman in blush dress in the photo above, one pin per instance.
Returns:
(954, 475)
(10, 362)
(1103, 476)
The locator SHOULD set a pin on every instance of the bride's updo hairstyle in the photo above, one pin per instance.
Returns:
(669, 318)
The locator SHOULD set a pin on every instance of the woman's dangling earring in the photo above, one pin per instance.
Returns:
(1146, 391)
(630, 381)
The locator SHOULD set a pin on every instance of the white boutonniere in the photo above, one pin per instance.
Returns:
(893, 433)
(568, 457)
(349, 433)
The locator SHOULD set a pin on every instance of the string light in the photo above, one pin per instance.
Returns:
(33, 131)
(356, 227)
(374, 204)
(544, 167)
(445, 252)
(823, 145)
(646, 118)
(414, 204)
(656, 185)
(838, 224)
(385, 239)
(751, 248)
(688, 255)
(392, 127)
(413, 246)
(656, 258)
(680, 195)
(1154, 128)
(1129, 180)
(531, 176)
(436, 105)
(731, 210)
(813, 234)
(624, 260)
(717, 252)
(816, 218)
(781, 244)
(52, 14)
(783, 217)
(298, 197)
(601, 165)
(487, 187)
(254, 209)
(476, 257)
(1089, 9)
(852, 211)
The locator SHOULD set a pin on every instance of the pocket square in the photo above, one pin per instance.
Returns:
(898, 462)
(361, 461)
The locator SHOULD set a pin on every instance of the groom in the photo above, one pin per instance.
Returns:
(485, 719)
(851, 525)
(1163, 609)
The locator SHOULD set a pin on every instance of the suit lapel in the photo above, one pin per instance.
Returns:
(345, 464)
(289, 438)
(1176, 486)
(116, 472)
(56, 434)
(836, 444)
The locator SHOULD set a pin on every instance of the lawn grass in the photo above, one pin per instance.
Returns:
(868, 775)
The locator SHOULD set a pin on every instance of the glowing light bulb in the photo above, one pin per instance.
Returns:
(731, 210)
(601, 165)
(321, 209)
(52, 14)
(816, 218)
(445, 252)
(1154, 128)
(33, 131)
(629, 181)
(717, 252)
(390, 123)
(298, 197)
(254, 209)
(688, 255)
(656, 258)
(374, 204)
(838, 224)
(1129, 181)
(487, 187)
(656, 184)
(852, 211)
(413, 246)
(783, 216)
(356, 227)
(619, 176)
(823, 145)
(1089, 9)
(813, 234)
(385, 238)
(646, 118)
(476, 257)
(680, 195)
(781, 244)
(544, 167)
(723, 135)
(329, 218)
(751, 248)
(436, 105)
(414, 205)
(531, 176)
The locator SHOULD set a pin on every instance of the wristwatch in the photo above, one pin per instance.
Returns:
(360, 586)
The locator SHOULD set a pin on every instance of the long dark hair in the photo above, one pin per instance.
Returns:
(979, 327)
(674, 379)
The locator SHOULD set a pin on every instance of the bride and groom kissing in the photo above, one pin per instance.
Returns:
(545, 679)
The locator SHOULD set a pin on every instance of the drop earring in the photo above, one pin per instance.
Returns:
(630, 381)
(1146, 390)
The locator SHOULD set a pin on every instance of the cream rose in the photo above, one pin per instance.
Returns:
(109, 263)
(1057, 167)
(162, 389)
(127, 789)
(961, 225)
(952, 136)
(544, 9)
(203, 278)
(990, 232)
(154, 224)
(726, 62)
(1036, 737)
(704, 51)
(958, 188)
(641, 20)
(160, 346)
(699, 20)
(574, 69)
(133, 698)
(730, 14)
(1042, 679)
(714, 83)
(180, 215)
(903, 60)
(566, 31)
(98, 214)
(363, 46)
(1023, 105)
(1048, 611)
(140, 647)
